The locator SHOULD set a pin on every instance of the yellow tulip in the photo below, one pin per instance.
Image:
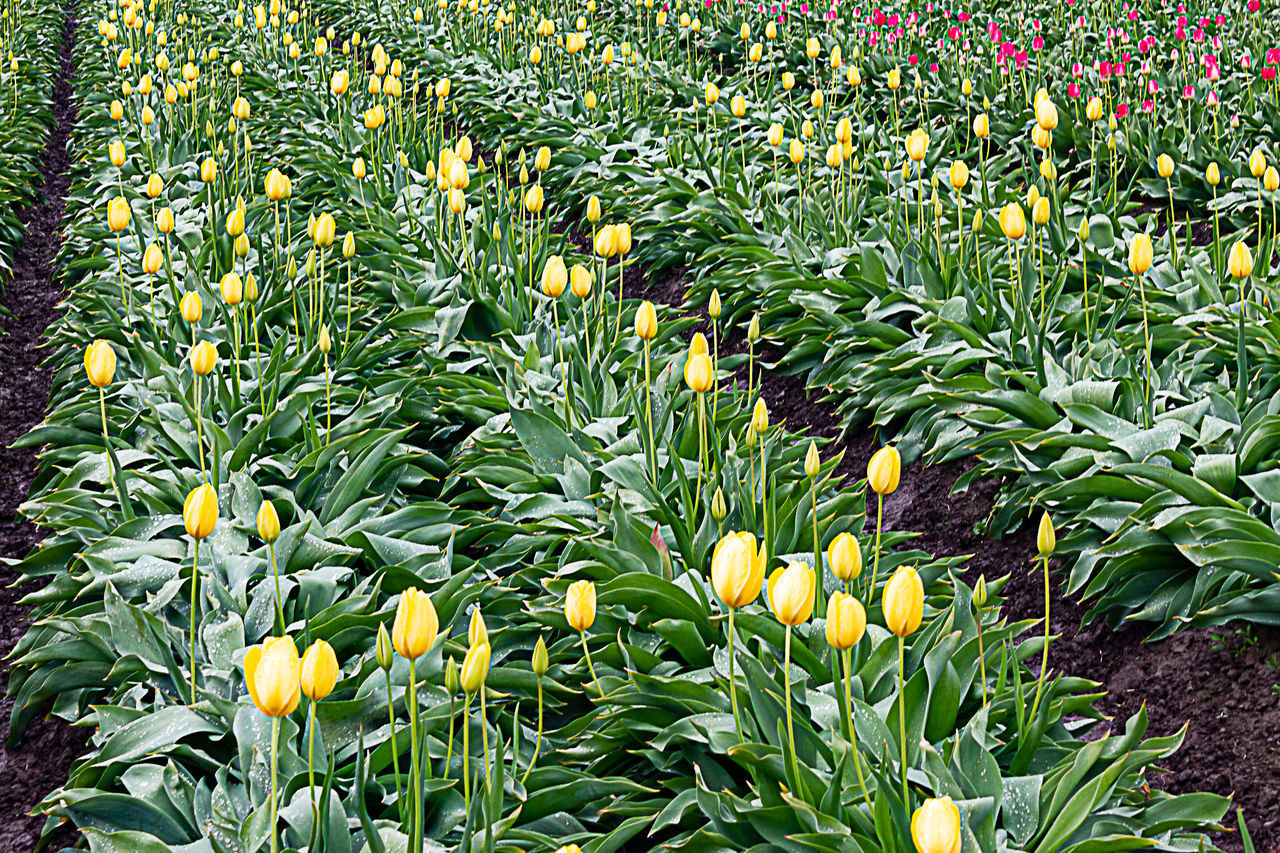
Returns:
(554, 276)
(232, 289)
(1164, 166)
(475, 668)
(1013, 222)
(268, 522)
(580, 605)
(1046, 539)
(326, 230)
(935, 827)
(846, 621)
(416, 624)
(884, 470)
(1240, 261)
(1140, 254)
(191, 306)
(100, 363)
(791, 593)
(959, 174)
(579, 281)
(118, 214)
(844, 557)
(200, 511)
(319, 671)
(760, 417)
(272, 673)
(477, 633)
(737, 569)
(903, 602)
(204, 358)
(646, 321)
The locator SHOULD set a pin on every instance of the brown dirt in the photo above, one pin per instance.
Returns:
(39, 764)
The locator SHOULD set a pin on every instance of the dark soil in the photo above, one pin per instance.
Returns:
(1216, 682)
(38, 765)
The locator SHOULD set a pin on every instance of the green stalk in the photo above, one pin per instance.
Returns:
(275, 571)
(106, 444)
(853, 732)
(195, 579)
(786, 677)
(587, 651)
(733, 685)
(818, 604)
(275, 738)
(311, 760)
(413, 753)
(395, 751)
(1044, 660)
(538, 745)
(902, 723)
(648, 407)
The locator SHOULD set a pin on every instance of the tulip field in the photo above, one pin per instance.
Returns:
(484, 425)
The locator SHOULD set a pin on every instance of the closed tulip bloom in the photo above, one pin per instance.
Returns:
(737, 569)
(775, 134)
(844, 557)
(698, 345)
(118, 214)
(580, 605)
(100, 363)
(1240, 261)
(475, 668)
(884, 469)
(812, 462)
(1213, 174)
(959, 174)
(604, 245)
(846, 621)
(155, 186)
(541, 160)
(760, 417)
(191, 306)
(935, 827)
(579, 281)
(981, 126)
(1094, 110)
(340, 82)
(477, 633)
(1047, 115)
(791, 593)
(1013, 222)
(319, 671)
(1271, 179)
(917, 145)
(209, 170)
(152, 259)
(1140, 254)
(795, 151)
(200, 511)
(272, 673)
(646, 321)
(268, 522)
(698, 374)
(1046, 539)
(711, 94)
(1164, 166)
(622, 238)
(416, 624)
(204, 358)
(593, 209)
(116, 152)
(554, 276)
(1040, 212)
(276, 186)
(232, 289)
(738, 106)
(326, 230)
(903, 602)
(1257, 163)
(164, 220)
(235, 222)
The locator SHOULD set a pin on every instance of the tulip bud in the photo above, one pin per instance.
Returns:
(319, 671)
(884, 470)
(791, 593)
(713, 305)
(1240, 261)
(383, 650)
(200, 511)
(232, 289)
(760, 417)
(540, 659)
(416, 624)
(846, 621)
(100, 363)
(554, 276)
(1045, 537)
(753, 328)
(118, 214)
(935, 827)
(580, 605)
(452, 684)
(272, 674)
(152, 259)
(1140, 254)
(1083, 233)
(903, 602)
(475, 668)
(718, 509)
(980, 592)
(646, 321)
(204, 358)
(1164, 166)
(844, 557)
(579, 281)
(1013, 221)
(812, 462)
(593, 210)
(268, 522)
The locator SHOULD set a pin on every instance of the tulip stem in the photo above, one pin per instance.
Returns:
(875, 560)
(484, 743)
(733, 686)
(311, 761)
(818, 604)
(791, 735)
(106, 445)
(275, 738)
(466, 753)
(1044, 659)
(902, 722)
(538, 745)
(853, 732)
(591, 666)
(195, 580)
(982, 660)
(648, 409)
(1146, 345)
(395, 751)
(416, 770)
